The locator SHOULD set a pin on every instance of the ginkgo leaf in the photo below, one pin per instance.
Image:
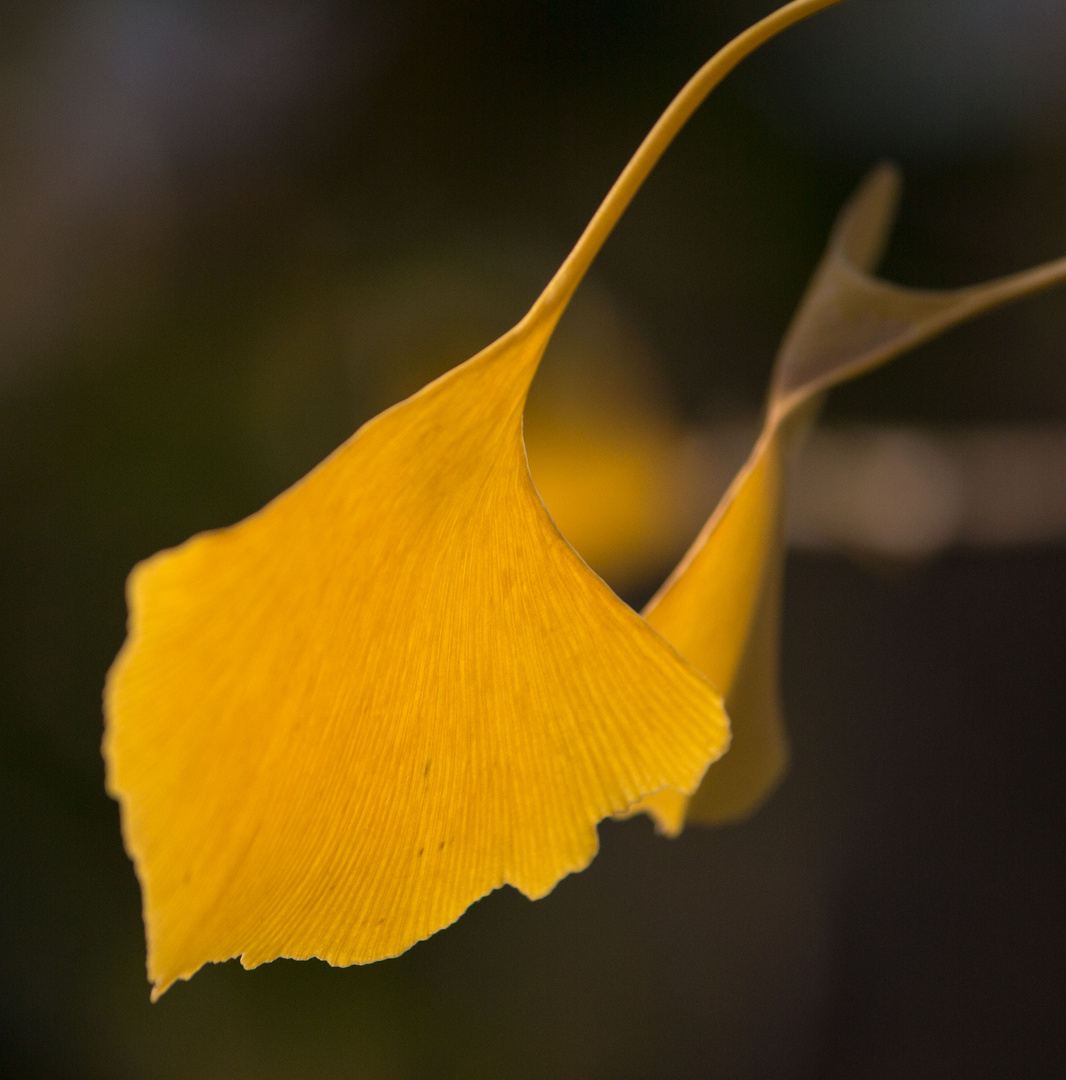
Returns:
(721, 606)
(335, 725)
(394, 689)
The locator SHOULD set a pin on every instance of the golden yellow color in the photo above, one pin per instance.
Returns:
(721, 606)
(609, 491)
(621, 479)
(392, 690)
(338, 723)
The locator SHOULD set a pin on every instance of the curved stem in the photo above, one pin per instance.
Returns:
(1015, 285)
(958, 305)
(569, 275)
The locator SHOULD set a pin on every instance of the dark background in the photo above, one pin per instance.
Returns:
(229, 233)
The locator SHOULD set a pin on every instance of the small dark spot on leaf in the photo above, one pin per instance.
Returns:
(425, 771)
(441, 848)
(420, 850)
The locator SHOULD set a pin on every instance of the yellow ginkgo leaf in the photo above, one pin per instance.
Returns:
(394, 689)
(721, 607)
(338, 723)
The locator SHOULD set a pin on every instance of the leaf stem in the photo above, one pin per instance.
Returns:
(569, 275)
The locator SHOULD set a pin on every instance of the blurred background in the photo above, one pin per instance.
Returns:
(232, 232)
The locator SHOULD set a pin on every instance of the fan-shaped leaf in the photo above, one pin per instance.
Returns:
(338, 723)
(720, 607)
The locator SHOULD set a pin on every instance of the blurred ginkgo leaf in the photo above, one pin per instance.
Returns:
(721, 607)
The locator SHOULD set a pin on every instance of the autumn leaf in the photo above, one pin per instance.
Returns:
(335, 725)
(721, 607)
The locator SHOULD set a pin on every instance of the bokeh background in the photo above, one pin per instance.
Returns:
(231, 232)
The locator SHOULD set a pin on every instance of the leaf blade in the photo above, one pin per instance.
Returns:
(847, 323)
(508, 736)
